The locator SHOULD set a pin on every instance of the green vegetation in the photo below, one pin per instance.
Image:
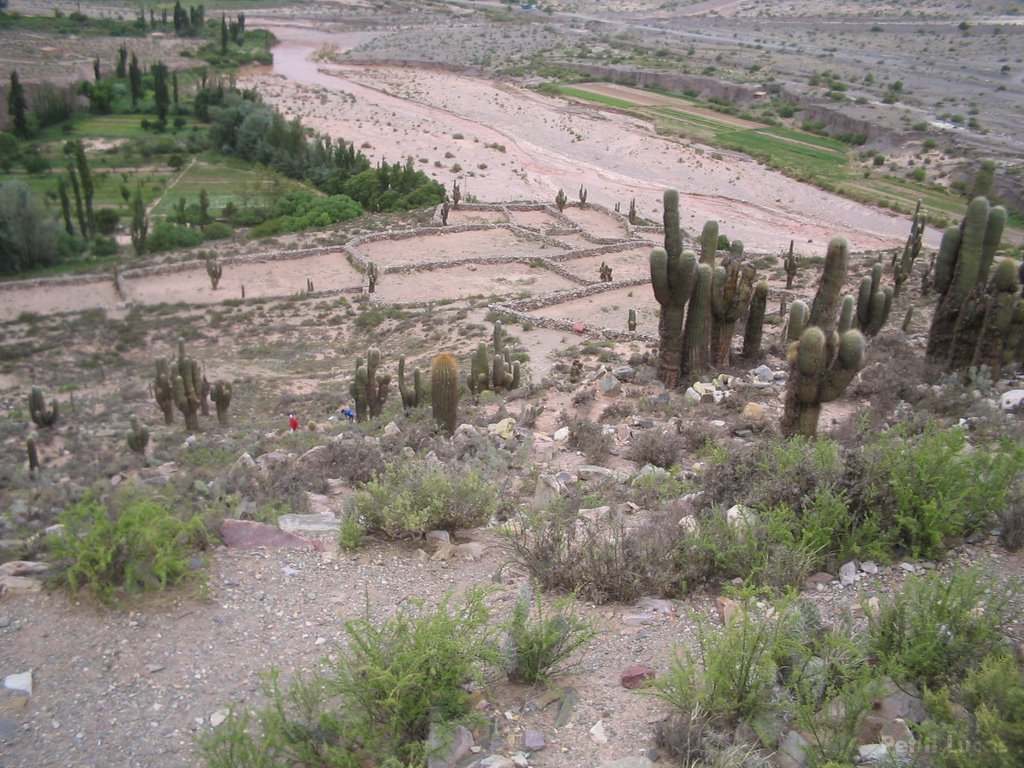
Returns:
(131, 543)
(536, 647)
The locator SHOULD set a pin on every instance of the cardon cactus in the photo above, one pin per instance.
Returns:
(632, 211)
(845, 315)
(731, 288)
(187, 387)
(444, 386)
(456, 194)
(137, 437)
(410, 395)
(163, 392)
(221, 393)
(372, 276)
(965, 254)
(582, 196)
(673, 279)
(754, 329)
(790, 264)
(605, 272)
(797, 320)
(695, 337)
(369, 388)
(709, 242)
(504, 374)
(826, 300)
(33, 453)
(1001, 307)
(670, 222)
(444, 213)
(561, 200)
(736, 250)
(815, 378)
(873, 304)
(631, 320)
(479, 370)
(214, 270)
(41, 414)
(911, 250)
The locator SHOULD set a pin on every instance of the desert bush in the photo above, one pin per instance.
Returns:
(535, 648)
(589, 438)
(991, 735)
(376, 703)
(167, 236)
(938, 627)
(107, 220)
(656, 446)
(217, 230)
(418, 496)
(136, 543)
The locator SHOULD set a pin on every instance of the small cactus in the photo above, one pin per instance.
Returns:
(214, 270)
(873, 304)
(670, 223)
(220, 393)
(695, 336)
(904, 265)
(444, 213)
(187, 387)
(755, 322)
(731, 289)
(709, 242)
(561, 200)
(137, 437)
(456, 195)
(1000, 308)
(42, 416)
(583, 196)
(372, 276)
(791, 269)
(410, 395)
(163, 392)
(815, 378)
(673, 280)
(631, 321)
(33, 453)
(826, 300)
(605, 272)
(908, 318)
(736, 250)
(632, 211)
(369, 389)
(444, 386)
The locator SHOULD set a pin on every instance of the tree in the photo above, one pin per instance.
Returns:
(28, 233)
(204, 208)
(96, 69)
(85, 178)
(135, 79)
(160, 94)
(223, 35)
(17, 107)
(140, 222)
(121, 68)
(65, 203)
(79, 209)
(174, 90)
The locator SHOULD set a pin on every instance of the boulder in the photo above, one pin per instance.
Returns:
(246, 534)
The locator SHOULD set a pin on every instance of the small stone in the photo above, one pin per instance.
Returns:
(597, 734)
(637, 619)
(504, 429)
(872, 753)
(908, 567)
(218, 717)
(392, 430)
(445, 551)
(533, 740)
(474, 550)
(638, 761)
(848, 573)
(437, 538)
(562, 433)
(656, 604)
(820, 578)
(5, 621)
(624, 373)
(636, 676)
(792, 751)
(753, 412)
(1011, 401)
(22, 682)
(869, 567)
(727, 608)
(570, 698)
(154, 668)
(691, 396)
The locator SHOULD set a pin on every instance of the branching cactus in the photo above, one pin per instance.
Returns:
(410, 395)
(632, 211)
(963, 252)
(444, 392)
(797, 320)
(823, 361)
(736, 250)
(673, 279)
(137, 437)
(815, 378)
(369, 389)
(605, 272)
(480, 370)
(754, 329)
(709, 242)
(41, 414)
(360, 384)
(1001, 307)
(790, 264)
(561, 200)
(372, 276)
(912, 249)
(695, 337)
(221, 393)
(873, 303)
(731, 288)
(504, 374)
(163, 392)
(845, 315)
(214, 270)
(187, 387)
(631, 321)
(456, 195)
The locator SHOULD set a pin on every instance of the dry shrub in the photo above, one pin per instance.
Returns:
(658, 447)
(588, 437)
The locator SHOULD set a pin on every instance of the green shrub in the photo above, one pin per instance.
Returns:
(104, 246)
(992, 733)
(937, 627)
(419, 496)
(167, 236)
(351, 533)
(107, 220)
(217, 230)
(136, 544)
(376, 703)
(536, 647)
(304, 210)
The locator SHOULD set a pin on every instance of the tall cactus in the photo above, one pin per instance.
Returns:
(372, 276)
(911, 250)
(754, 329)
(695, 337)
(41, 414)
(410, 395)
(709, 242)
(873, 304)
(791, 268)
(456, 195)
(163, 393)
(797, 320)
(1000, 307)
(137, 437)
(369, 389)
(731, 288)
(444, 391)
(503, 374)
(561, 200)
(583, 196)
(670, 223)
(221, 393)
(823, 361)
(631, 320)
(187, 386)
(32, 451)
(963, 253)
(632, 211)
(673, 279)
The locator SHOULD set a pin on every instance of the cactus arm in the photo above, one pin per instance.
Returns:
(709, 242)
(754, 328)
(695, 335)
(444, 381)
(797, 320)
(826, 300)
(670, 219)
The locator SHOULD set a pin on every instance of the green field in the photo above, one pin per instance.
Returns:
(226, 180)
(818, 160)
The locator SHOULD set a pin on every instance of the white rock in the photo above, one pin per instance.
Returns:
(561, 434)
(848, 573)
(21, 682)
(869, 567)
(218, 717)
(691, 396)
(597, 734)
(392, 430)
(1010, 401)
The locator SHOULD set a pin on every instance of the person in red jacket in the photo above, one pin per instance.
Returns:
(293, 422)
